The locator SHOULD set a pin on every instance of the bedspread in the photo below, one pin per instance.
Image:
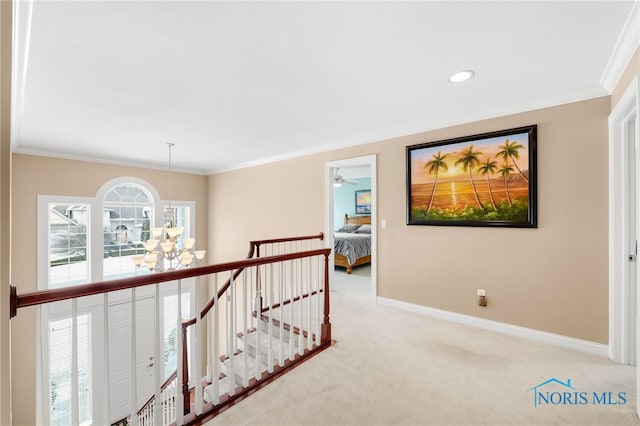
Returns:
(352, 246)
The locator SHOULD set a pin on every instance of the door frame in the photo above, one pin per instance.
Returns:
(330, 166)
(621, 308)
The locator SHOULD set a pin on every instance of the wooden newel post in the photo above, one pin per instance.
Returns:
(325, 330)
(257, 301)
(13, 301)
(186, 400)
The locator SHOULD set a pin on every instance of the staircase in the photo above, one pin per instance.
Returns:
(268, 347)
(267, 313)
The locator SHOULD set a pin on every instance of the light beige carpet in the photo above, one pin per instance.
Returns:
(391, 367)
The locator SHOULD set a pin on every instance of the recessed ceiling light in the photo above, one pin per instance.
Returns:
(461, 76)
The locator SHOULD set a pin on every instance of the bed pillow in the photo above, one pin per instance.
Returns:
(349, 227)
(364, 229)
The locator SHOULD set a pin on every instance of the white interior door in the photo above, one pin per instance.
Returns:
(119, 352)
(624, 226)
(632, 245)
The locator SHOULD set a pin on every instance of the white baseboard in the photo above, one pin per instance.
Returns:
(501, 327)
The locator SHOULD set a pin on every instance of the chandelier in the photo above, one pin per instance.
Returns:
(168, 250)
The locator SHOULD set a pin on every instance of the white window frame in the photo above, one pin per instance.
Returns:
(43, 234)
(93, 371)
(92, 305)
(98, 241)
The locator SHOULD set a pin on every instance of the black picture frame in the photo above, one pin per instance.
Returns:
(363, 201)
(488, 179)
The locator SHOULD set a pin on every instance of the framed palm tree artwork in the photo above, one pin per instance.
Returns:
(480, 180)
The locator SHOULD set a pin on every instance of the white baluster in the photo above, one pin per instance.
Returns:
(197, 370)
(231, 334)
(258, 325)
(171, 398)
(107, 369)
(179, 360)
(269, 337)
(133, 376)
(301, 300)
(318, 312)
(166, 405)
(211, 332)
(172, 402)
(245, 332)
(309, 291)
(227, 317)
(234, 314)
(75, 406)
(157, 356)
(216, 343)
(281, 316)
(292, 295)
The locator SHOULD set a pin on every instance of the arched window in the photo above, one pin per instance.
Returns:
(127, 217)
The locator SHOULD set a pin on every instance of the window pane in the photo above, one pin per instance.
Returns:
(126, 224)
(128, 193)
(68, 244)
(178, 216)
(170, 331)
(181, 215)
(60, 370)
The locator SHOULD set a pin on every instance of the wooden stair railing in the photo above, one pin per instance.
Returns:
(147, 406)
(315, 342)
(254, 249)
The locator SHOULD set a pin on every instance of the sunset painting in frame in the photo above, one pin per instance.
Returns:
(480, 180)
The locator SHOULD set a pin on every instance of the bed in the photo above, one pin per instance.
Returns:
(352, 242)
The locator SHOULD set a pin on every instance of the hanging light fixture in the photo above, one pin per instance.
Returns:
(163, 252)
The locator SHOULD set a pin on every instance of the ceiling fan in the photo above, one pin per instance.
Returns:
(338, 179)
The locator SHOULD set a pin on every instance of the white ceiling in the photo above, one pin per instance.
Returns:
(354, 172)
(240, 83)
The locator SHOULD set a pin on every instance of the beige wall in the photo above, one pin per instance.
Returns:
(32, 176)
(632, 70)
(5, 207)
(553, 278)
(278, 199)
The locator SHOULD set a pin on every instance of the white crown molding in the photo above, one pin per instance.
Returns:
(577, 95)
(283, 157)
(139, 165)
(500, 327)
(623, 51)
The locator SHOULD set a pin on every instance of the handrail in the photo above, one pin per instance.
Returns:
(40, 297)
(289, 301)
(35, 298)
(319, 236)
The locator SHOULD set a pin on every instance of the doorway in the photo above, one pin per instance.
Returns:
(120, 352)
(623, 227)
(333, 219)
(624, 224)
